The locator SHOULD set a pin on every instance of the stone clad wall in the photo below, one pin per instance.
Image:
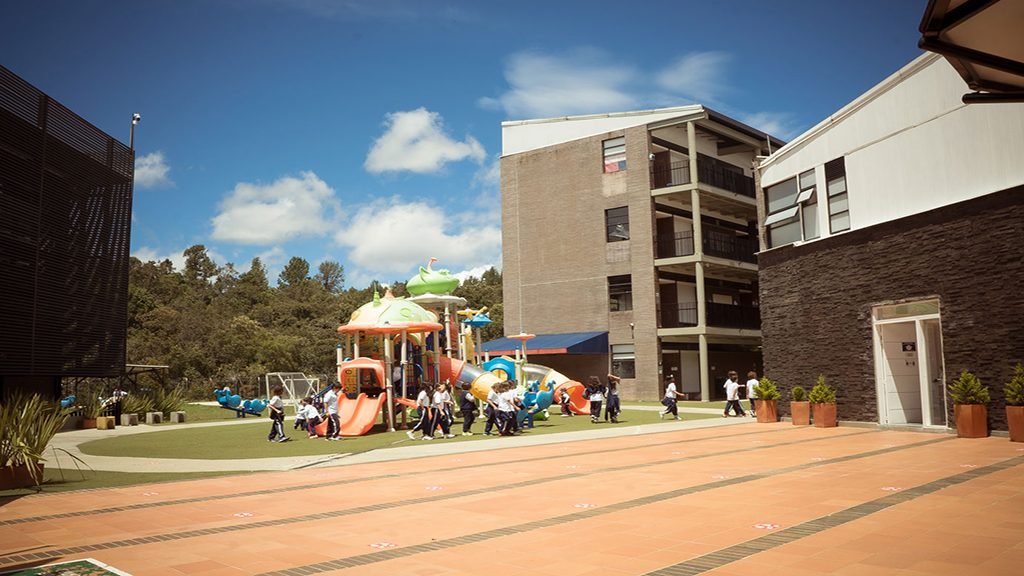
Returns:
(816, 299)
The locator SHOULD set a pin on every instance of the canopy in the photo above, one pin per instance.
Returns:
(565, 343)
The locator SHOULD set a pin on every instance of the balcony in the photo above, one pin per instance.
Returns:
(716, 243)
(709, 171)
(719, 315)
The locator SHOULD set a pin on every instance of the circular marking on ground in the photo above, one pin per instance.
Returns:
(243, 514)
(433, 488)
(583, 505)
(817, 459)
(676, 453)
(968, 465)
(720, 477)
(572, 467)
(150, 493)
(380, 545)
(891, 488)
(766, 526)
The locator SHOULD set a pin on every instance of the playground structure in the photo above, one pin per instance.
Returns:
(234, 402)
(296, 386)
(408, 341)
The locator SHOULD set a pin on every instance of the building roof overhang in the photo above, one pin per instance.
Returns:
(981, 39)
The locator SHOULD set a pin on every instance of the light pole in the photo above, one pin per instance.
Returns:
(131, 136)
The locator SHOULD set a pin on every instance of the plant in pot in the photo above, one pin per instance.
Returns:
(767, 396)
(799, 407)
(137, 404)
(970, 412)
(823, 403)
(1013, 393)
(27, 424)
(91, 409)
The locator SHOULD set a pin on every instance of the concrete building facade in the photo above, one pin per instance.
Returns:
(893, 237)
(599, 234)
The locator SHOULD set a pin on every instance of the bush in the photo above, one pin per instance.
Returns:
(766, 390)
(90, 406)
(1013, 392)
(27, 424)
(136, 404)
(798, 394)
(822, 393)
(967, 389)
(168, 401)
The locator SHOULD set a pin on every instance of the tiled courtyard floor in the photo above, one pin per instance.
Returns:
(760, 499)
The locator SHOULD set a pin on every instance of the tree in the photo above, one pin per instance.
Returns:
(199, 267)
(331, 276)
(295, 273)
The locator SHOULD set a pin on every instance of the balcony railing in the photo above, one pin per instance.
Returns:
(716, 243)
(710, 171)
(719, 315)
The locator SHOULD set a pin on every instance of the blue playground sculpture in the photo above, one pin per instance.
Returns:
(230, 401)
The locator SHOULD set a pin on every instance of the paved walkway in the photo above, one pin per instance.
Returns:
(71, 440)
(765, 499)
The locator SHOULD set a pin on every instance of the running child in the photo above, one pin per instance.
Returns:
(441, 406)
(467, 405)
(331, 405)
(596, 397)
(310, 415)
(611, 393)
(426, 422)
(751, 393)
(276, 406)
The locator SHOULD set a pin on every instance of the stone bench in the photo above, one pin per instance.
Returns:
(129, 419)
(105, 423)
(154, 417)
(177, 417)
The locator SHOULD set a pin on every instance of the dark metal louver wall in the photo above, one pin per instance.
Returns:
(65, 223)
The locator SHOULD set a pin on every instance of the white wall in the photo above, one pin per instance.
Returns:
(911, 145)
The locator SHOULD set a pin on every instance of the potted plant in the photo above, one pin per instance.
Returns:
(969, 406)
(1013, 393)
(799, 407)
(767, 396)
(91, 409)
(27, 424)
(823, 403)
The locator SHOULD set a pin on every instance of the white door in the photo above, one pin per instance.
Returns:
(933, 373)
(901, 373)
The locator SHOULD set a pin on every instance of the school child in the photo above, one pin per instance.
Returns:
(751, 393)
(331, 405)
(670, 398)
(310, 415)
(442, 401)
(732, 395)
(426, 422)
(276, 406)
(506, 409)
(611, 394)
(564, 400)
(491, 410)
(467, 405)
(596, 396)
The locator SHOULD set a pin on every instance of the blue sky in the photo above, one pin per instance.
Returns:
(368, 132)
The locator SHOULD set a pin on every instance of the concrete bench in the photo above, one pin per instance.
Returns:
(178, 417)
(105, 423)
(154, 417)
(129, 419)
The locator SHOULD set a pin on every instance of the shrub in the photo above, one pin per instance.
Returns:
(90, 406)
(136, 404)
(798, 394)
(27, 424)
(766, 389)
(168, 401)
(967, 389)
(1013, 392)
(822, 393)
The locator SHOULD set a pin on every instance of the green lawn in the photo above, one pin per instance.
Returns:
(249, 440)
(72, 479)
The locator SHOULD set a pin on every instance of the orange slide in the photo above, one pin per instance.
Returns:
(577, 402)
(359, 415)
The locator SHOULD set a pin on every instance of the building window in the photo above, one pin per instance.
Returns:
(620, 293)
(792, 210)
(838, 203)
(624, 360)
(616, 222)
(614, 155)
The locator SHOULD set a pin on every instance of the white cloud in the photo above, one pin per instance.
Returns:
(415, 141)
(266, 214)
(489, 174)
(387, 238)
(584, 81)
(779, 124)
(147, 254)
(475, 272)
(699, 76)
(152, 171)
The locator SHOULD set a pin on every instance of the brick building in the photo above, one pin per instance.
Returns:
(893, 237)
(599, 235)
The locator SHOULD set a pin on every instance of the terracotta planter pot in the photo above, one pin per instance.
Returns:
(767, 411)
(971, 420)
(88, 423)
(801, 413)
(1015, 420)
(824, 415)
(18, 477)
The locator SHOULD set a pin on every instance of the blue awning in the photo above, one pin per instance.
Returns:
(566, 343)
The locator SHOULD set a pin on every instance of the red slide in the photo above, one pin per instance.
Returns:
(359, 415)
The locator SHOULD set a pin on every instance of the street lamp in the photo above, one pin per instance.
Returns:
(131, 137)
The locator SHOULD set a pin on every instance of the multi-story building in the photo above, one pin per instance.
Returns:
(640, 225)
(894, 249)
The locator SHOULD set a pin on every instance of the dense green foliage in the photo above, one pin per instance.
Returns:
(967, 389)
(822, 393)
(213, 325)
(1014, 389)
(27, 424)
(798, 394)
(766, 389)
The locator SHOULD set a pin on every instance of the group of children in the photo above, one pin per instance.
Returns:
(308, 416)
(435, 405)
(598, 394)
(732, 393)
